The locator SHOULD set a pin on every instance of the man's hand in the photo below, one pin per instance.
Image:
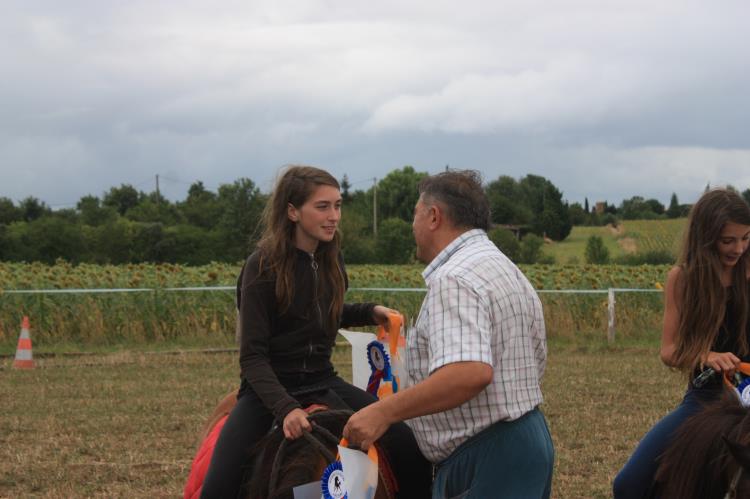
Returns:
(366, 426)
(295, 423)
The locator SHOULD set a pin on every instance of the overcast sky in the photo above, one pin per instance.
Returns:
(606, 99)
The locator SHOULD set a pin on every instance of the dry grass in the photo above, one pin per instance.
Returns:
(124, 425)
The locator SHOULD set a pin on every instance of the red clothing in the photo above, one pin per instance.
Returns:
(201, 461)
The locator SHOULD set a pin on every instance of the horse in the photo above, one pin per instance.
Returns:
(281, 464)
(709, 456)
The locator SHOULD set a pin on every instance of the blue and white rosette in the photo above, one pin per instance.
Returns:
(378, 359)
(333, 484)
(380, 367)
(743, 391)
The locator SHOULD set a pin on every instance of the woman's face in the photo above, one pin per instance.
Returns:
(732, 243)
(317, 219)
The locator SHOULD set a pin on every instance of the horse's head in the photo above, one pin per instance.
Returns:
(281, 464)
(710, 454)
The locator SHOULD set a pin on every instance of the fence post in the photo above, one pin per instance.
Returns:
(611, 316)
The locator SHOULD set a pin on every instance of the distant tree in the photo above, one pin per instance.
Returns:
(122, 198)
(397, 193)
(610, 208)
(506, 241)
(241, 205)
(507, 203)
(48, 238)
(746, 195)
(69, 214)
(586, 205)
(637, 208)
(596, 251)
(93, 213)
(112, 242)
(357, 242)
(552, 218)
(151, 243)
(655, 206)
(201, 207)
(345, 186)
(9, 213)
(192, 245)
(674, 210)
(32, 209)
(5, 250)
(531, 249)
(395, 243)
(533, 201)
(155, 208)
(578, 215)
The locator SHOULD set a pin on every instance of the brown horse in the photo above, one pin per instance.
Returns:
(710, 454)
(281, 465)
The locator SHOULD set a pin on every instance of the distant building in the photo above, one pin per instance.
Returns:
(600, 207)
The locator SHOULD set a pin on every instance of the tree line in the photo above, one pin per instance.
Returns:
(126, 225)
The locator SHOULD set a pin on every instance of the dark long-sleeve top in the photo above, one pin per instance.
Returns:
(278, 347)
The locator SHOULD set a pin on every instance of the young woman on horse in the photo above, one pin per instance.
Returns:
(290, 296)
(706, 308)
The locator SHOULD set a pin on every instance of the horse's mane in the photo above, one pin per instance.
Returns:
(698, 458)
(222, 409)
(297, 469)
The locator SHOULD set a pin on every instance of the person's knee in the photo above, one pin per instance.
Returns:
(621, 486)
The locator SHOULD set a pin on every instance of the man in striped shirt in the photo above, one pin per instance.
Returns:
(475, 358)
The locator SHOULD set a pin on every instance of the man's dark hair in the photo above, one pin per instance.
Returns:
(461, 195)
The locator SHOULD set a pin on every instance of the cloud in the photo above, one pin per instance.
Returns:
(117, 92)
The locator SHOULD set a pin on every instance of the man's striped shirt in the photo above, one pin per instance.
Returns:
(479, 307)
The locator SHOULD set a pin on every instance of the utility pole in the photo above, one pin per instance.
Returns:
(375, 206)
(157, 193)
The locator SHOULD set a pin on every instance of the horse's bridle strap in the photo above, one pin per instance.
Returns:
(310, 438)
(732, 490)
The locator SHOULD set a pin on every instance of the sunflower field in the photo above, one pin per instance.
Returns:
(108, 305)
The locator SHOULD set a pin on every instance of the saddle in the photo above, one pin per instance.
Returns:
(313, 399)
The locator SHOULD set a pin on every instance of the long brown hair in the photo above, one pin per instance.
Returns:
(295, 185)
(703, 297)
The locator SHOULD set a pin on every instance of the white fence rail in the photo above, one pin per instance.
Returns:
(610, 292)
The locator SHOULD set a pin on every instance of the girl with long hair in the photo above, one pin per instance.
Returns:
(290, 297)
(705, 321)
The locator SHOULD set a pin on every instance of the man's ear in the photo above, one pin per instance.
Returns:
(436, 216)
(292, 212)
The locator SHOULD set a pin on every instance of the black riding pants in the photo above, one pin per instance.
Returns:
(249, 421)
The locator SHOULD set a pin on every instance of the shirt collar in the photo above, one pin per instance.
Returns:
(448, 251)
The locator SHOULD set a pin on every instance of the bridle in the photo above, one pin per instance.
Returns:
(318, 437)
(732, 490)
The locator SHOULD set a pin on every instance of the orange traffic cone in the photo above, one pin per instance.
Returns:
(23, 351)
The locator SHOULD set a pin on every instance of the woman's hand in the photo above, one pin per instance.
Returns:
(295, 423)
(723, 362)
(380, 315)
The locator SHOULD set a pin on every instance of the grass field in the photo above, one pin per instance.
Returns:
(573, 249)
(631, 236)
(125, 424)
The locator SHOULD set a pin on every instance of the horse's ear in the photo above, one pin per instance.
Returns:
(740, 452)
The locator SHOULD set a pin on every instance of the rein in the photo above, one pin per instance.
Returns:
(732, 490)
(318, 444)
